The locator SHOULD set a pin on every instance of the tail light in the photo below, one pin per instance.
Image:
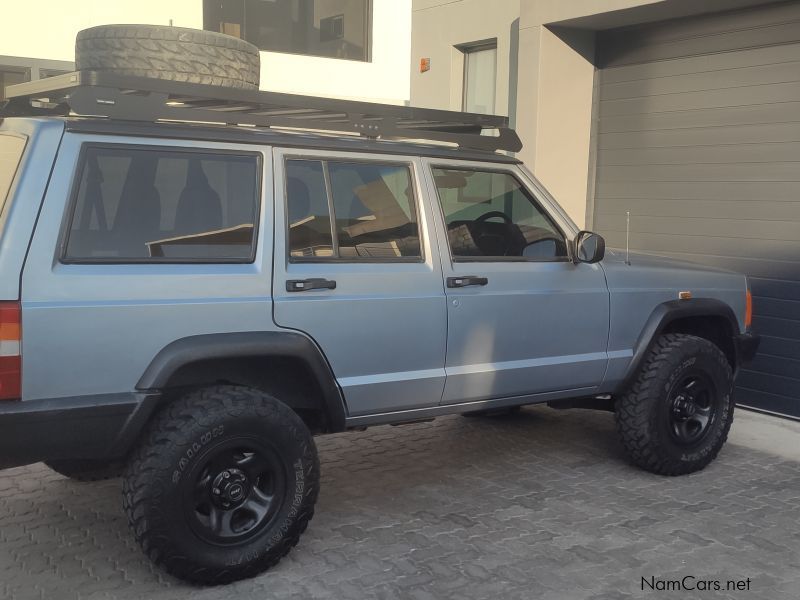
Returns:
(10, 354)
(748, 309)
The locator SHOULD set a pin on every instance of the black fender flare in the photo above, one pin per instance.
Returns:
(285, 344)
(669, 312)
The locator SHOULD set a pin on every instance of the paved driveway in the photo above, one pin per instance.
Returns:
(541, 505)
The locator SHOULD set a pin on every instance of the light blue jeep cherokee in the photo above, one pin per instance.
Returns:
(188, 303)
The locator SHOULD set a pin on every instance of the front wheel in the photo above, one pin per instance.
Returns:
(222, 485)
(676, 416)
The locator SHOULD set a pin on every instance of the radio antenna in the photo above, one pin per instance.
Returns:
(628, 239)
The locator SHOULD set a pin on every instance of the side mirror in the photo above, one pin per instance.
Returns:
(588, 248)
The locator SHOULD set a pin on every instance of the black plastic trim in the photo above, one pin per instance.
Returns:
(81, 427)
(662, 316)
(746, 347)
(285, 344)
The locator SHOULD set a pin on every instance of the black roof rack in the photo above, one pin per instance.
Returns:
(102, 94)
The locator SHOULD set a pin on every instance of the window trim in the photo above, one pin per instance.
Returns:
(69, 213)
(409, 165)
(536, 202)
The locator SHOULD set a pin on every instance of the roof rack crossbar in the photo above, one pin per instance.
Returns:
(107, 95)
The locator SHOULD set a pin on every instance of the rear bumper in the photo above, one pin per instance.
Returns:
(86, 427)
(746, 347)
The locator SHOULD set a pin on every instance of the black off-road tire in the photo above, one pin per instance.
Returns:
(643, 412)
(87, 470)
(173, 53)
(161, 475)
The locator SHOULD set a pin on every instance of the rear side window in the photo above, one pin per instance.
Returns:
(142, 205)
(351, 211)
(11, 149)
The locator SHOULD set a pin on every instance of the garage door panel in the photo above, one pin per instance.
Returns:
(776, 288)
(776, 365)
(705, 63)
(717, 154)
(734, 209)
(737, 116)
(774, 403)
(786, 171)
(706, 81)
(755, 267)
(777, 327)
(784, 33)
(776, 191)
(705, 34)
(705, 99)
(700, 136)
(784, 386)
(785, 235)
(778, 256)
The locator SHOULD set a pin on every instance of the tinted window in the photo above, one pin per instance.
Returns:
(329, 28)
(373, 207)
(163, 205)
(309, 216)
(490, 214)
(11, 148)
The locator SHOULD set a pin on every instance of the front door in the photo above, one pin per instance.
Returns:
(356, 270)
(522, 318)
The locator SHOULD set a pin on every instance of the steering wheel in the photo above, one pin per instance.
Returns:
(492, 214)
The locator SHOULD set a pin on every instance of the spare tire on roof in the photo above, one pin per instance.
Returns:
(173, 53)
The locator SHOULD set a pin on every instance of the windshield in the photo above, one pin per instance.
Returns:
(11, 148)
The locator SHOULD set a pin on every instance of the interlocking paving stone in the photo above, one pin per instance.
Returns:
(537, 505)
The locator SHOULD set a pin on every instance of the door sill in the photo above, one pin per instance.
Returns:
(416, 414)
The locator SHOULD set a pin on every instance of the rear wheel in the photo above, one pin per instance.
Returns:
(676, 416)
(222, 485)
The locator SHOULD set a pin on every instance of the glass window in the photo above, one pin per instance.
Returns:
(480, 79)
(373, 206)
(11, 148)
(308, 211)
(164, 205)
(490, 215)
(12, 76)
(329, 28)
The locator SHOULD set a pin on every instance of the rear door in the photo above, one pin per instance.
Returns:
(357, 270)
(522, 318)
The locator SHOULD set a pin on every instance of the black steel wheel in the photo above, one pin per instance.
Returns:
(675, 417)
(222, 484)
(692, 407)
(237, 491)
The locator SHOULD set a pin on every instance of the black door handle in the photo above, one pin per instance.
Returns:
(303, 285)
(457, 282)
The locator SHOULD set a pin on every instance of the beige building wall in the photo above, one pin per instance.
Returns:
(438, 27)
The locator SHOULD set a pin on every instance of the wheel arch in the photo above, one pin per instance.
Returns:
(707, 318)
(287, 364)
